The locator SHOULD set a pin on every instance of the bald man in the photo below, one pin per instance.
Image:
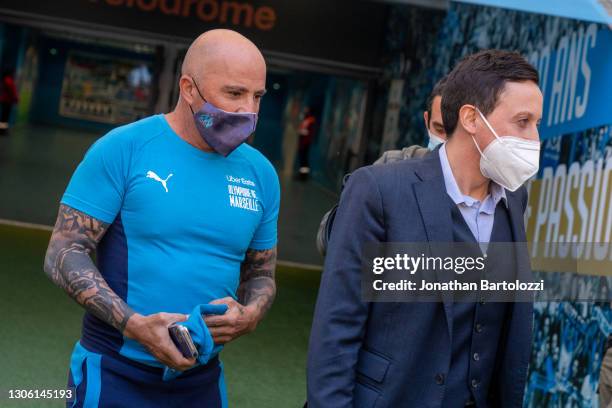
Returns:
(180, 212)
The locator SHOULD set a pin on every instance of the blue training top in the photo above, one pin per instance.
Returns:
(182, 220)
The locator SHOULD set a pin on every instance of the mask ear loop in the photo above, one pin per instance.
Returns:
(478, 148)
(198, 91)
(474, 140)
(492, 131)
(489, 126)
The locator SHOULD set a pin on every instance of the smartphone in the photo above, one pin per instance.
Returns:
(183, 341)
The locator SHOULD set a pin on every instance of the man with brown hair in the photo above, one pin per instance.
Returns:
(468, 190)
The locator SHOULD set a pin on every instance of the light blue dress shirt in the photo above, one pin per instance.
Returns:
(478, 215)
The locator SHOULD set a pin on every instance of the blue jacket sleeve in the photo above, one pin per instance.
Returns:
(340, 314)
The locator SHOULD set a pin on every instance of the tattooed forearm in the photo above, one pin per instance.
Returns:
(69, 265)
(257, 286)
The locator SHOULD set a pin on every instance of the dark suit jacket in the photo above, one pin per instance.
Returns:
(392, 354)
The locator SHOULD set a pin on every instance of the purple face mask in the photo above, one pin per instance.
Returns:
(221, 130)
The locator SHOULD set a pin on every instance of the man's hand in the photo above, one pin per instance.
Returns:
(255, 296)
(152, 332)
(238, 320)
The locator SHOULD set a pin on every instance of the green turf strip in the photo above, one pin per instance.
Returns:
(40, 325)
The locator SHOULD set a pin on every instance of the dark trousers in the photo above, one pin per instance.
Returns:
(303, 155)
(105, 381)
(6, 111)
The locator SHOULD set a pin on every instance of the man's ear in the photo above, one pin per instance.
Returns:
(467, 118)
(186, 89)
(426, 119)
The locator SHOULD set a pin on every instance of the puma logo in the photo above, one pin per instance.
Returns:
(152, 175)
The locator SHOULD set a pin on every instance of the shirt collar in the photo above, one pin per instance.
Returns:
(496, 192)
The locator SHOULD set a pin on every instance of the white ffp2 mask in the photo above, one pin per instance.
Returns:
(508, 160)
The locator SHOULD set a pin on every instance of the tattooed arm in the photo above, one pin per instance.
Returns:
(69, 265)
(257, 287)
(256, 293)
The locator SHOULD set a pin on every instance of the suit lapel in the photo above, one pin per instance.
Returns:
(434, 207)
(515, 207)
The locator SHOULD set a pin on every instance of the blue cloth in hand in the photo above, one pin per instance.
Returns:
(200, 335)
